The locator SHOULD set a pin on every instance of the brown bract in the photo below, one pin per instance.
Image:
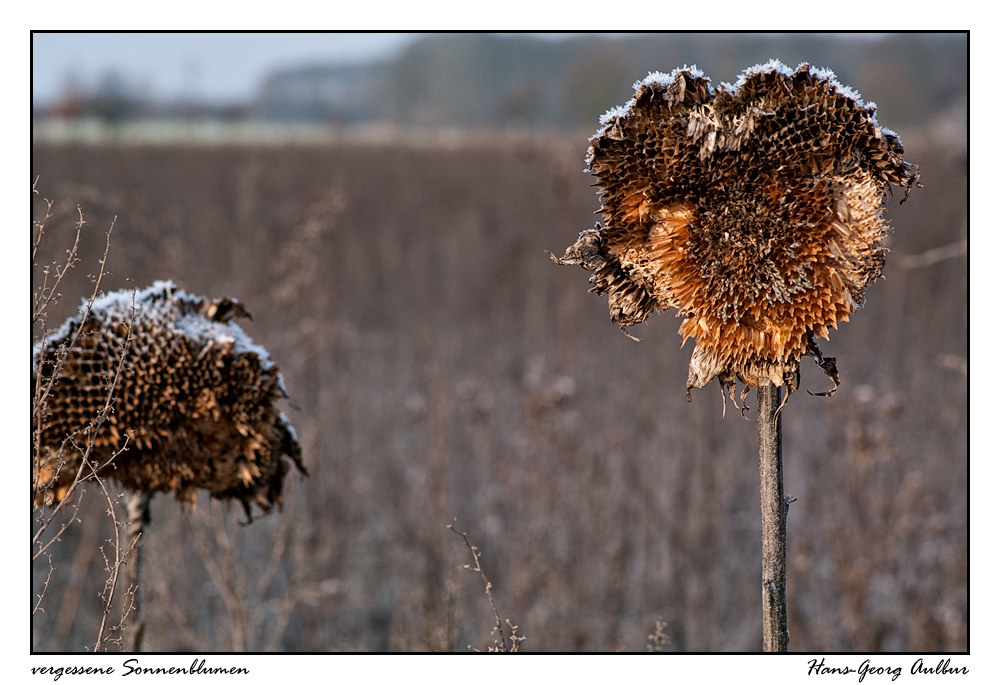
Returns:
(194, 407)
(753, 210)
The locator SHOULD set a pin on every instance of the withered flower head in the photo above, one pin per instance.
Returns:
(754, 210)
(195, 400)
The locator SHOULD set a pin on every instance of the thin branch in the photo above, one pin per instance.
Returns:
(91, 431)
(515, 639)
(45, 587)
(40, 225)
(41, 395)
(113, 569)
(80, 443)
(48, 293)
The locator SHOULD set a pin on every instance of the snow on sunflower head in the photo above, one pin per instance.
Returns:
(193, 402)
(754, 210)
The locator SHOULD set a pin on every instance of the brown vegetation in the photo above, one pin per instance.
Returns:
(442, 369)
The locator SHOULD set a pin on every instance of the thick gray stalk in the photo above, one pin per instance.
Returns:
(773, 515)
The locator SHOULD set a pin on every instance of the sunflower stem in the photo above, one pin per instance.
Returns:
(137, 507)
(773, 516)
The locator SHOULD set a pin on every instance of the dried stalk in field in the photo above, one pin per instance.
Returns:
(501, 645)
(754, 210)
(773, 520)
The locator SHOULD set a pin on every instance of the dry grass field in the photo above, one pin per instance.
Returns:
(441, 368)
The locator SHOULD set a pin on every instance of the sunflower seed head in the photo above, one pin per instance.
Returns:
(195, 404)
(753, 210)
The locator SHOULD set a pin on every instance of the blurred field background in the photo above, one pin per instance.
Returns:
(441, 368)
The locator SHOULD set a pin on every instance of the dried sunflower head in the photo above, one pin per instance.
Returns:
(194, 406)
(754, 210)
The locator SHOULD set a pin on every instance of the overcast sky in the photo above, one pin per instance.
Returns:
(213, 67)
(219, 67)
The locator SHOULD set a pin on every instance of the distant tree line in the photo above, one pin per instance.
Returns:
(521, 81)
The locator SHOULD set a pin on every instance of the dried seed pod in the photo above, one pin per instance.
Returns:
(195, 403)
(754, 210)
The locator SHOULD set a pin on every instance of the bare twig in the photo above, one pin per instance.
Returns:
(113, 567)
(86, 451)
(49, 292)
(45, 298)
(48, 577)
(515, 639)
(656, 640)
(81, 442)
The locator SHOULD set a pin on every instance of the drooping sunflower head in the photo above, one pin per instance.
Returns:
(754, 210)
(166, 393)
